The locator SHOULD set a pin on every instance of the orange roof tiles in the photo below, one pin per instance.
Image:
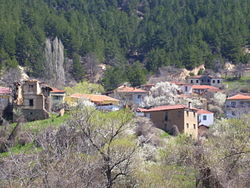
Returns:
(180, 83)
(162, 108)
(55, 90)
(205, 87)
(202, 111)
(100, 99)
(126, 89)
(239, 97)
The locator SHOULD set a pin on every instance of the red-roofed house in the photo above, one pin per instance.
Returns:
(5, 99)
(171, 116)
(205, 117)
(237, 105)
(57, 97)
(201, 89)
(185, 88)
(129, 95)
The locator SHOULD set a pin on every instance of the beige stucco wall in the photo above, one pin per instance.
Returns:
(178, 117)
(191, 118)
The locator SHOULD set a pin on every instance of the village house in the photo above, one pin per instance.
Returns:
(185, 88)
(5, 100)
(129, 95)
(33, 99)
(57, 97)
(203, 89)
(102, 102)
(205, 80)
(237, 105)
(205, 118)
(171, 116)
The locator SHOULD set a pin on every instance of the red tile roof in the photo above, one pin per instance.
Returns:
(162, 108)
(203, 87)
(180, 83)
(55, 90)
(100, 99)
(126, 89)
(202, 111)
(240, 97)
(5, 90)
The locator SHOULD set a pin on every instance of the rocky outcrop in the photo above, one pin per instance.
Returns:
(54, 65)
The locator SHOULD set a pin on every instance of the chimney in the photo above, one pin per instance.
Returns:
(189, 104)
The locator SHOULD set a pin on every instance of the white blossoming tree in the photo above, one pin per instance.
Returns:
(166, 93)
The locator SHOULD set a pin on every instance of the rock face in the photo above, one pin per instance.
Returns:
(54, 65)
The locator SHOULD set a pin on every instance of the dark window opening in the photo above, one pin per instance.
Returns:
(187, 125)
(197, 81)
(218, 81)
(204, 117)
(166, 116)
(191, 81)
(194, 126)
(31, 102)
(213, 81)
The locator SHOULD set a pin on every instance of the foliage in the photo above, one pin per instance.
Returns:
(84, 88)
(166, 93)
(156, 33)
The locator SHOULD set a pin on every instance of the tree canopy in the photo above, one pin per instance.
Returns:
(156, 33)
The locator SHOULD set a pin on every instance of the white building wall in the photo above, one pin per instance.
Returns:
(206, 119)
(186, 89)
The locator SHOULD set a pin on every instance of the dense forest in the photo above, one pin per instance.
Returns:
(137, 36)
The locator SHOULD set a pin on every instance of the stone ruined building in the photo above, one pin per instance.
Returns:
(32, 100)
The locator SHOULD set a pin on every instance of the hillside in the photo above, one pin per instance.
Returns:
(119, 33)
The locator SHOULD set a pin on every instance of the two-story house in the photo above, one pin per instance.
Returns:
(237, 105)
(205, 117)
(129, 95)
(57, 97)
(33, 99)
(170, 116)
(205, 80)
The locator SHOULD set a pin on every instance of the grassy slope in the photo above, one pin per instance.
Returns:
(242, 83)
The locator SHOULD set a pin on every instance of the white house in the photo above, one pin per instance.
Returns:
(205, 117)
(185, 88)
(237, 105)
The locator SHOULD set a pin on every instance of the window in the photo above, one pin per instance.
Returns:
(202, 80)
(218, 81)
(233, 104)
(194, 126)
(204, 117)
(186, 88)
(31, 102)
(187, 125)
(138, 96)
(233, 113)
(187, 113)
(197, 81)
(213, 81)
(208, 80)
(166, 116)
(194, 114)
(192, 81)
